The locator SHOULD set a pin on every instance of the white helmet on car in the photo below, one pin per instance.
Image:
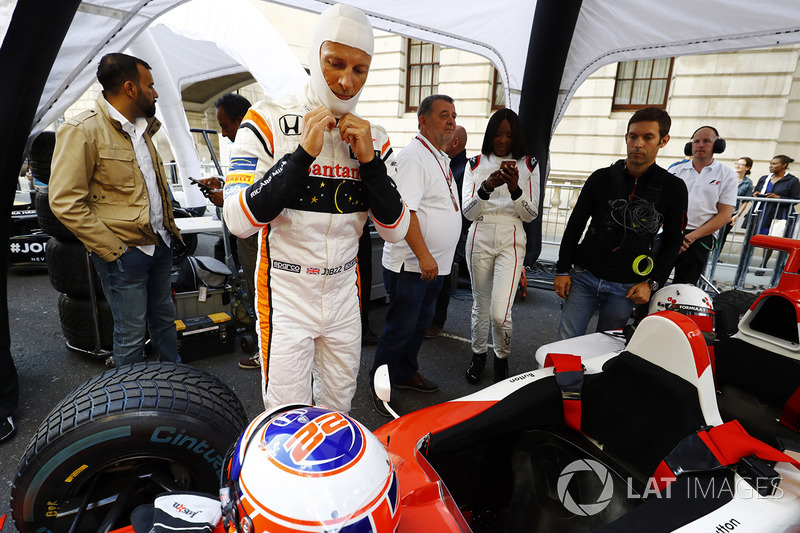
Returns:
(683, 298)
(687, 300)
(300, 468)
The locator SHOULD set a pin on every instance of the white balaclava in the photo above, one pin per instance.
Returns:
(342, 24)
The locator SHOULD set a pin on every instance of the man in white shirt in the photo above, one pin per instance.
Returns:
(413, 269)
(109, 188)
(712, 197)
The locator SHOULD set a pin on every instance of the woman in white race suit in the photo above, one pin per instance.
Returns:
(500, 192)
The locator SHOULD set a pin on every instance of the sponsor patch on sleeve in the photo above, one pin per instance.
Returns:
(243, 164)
(233, 186)
(239, 177)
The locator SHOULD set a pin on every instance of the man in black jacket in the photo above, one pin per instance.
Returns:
(617, 265)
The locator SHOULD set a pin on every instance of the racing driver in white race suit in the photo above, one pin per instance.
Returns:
(305, 170)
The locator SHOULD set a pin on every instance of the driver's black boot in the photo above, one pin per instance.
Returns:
(476, 367)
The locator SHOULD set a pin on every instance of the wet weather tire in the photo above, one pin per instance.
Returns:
(48, 221)
(41, 154)
(729, 307)
(69, 268)
(120, 439)
(77, 322)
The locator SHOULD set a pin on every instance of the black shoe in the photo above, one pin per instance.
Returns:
(476, 367)
(419, 384)
(7, 428)
(379, 405)
(368, 338)
(500, 369)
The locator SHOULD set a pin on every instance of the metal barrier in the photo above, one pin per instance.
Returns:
(733, 260)
(737, 252)
(559, 200)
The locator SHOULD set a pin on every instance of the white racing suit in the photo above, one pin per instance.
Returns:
(496, 247)
(311, 213)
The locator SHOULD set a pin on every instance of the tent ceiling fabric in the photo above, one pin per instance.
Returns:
(199, 95)
(497, 30)
(200, 40)
(99, 27)
(607, 31)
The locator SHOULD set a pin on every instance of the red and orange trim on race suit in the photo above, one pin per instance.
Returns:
(246, 210)
(515, 278)
(254, 117)
(386, 226)
(358, 284)
(264, 301)
(473, 166)
(529, 162)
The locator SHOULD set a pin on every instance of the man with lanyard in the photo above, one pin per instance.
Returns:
(456, 150)
(305, 171)
(109, 188)
(616, 266)
(712, 199)
(414, 269)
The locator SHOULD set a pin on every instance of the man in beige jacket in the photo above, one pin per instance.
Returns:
(109, 188)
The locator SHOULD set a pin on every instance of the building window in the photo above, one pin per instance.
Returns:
(642, 83)
(423, 72)
(498, 94)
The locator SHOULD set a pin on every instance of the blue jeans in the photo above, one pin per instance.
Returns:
(412, 303)
(137, 287)
(585, 294)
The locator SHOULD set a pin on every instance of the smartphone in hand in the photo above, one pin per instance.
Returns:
(203, 186)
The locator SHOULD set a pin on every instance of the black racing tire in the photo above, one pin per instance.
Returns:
(69, 269)
(120, 439)
(729, 307)
(48, 221)
(77, 322)
(41, 154)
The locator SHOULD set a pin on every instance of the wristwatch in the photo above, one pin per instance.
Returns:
(653, 284)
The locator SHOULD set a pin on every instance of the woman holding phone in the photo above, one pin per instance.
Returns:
(500, 192)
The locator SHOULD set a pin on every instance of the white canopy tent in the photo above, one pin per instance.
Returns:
(183, 46)
(532, 43)
(605, 31)
(543, 49)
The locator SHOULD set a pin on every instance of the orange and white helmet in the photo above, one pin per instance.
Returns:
(300, 468)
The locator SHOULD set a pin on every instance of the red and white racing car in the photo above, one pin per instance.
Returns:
(646, 439)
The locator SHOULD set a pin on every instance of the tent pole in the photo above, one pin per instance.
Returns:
(554, 26)
(29, 49)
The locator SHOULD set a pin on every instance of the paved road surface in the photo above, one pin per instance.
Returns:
(48, 371)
